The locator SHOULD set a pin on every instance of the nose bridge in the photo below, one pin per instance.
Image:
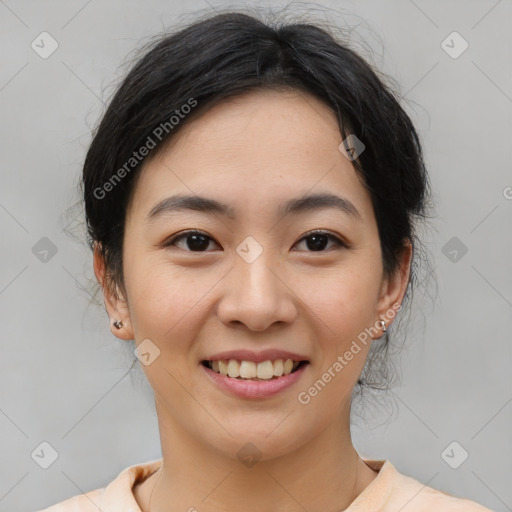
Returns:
(254, 280)
(255, 294)
(255, 272)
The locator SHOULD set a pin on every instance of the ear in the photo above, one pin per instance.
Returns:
(115, 302)
(394, 287)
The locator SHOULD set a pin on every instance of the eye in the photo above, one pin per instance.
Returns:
(318, 239)
(196, 241)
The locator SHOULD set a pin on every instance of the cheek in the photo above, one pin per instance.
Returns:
(158, 297)
(169, 308)
(344, 301)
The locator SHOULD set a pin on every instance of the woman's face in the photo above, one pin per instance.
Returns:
(256, 280)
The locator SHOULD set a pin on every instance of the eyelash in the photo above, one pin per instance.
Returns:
(338, 241)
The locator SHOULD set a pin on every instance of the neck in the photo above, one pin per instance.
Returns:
(325, 475)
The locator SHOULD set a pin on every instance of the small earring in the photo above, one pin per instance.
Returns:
(118, 324)
(383, 325)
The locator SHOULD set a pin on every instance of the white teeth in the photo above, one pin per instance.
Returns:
(288, 366)
(223, 368)
(265, 370)
(247, 369)
(278, 368)
(233, 368)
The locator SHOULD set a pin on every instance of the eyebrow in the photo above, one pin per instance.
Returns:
(310, 202)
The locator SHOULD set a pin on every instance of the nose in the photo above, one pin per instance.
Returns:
(257, 295)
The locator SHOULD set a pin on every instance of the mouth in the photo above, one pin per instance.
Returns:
(243, 370)
(254, 380)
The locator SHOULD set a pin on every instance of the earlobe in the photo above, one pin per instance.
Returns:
(121, 329)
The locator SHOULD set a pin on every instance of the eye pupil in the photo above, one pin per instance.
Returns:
(319, 242)
(199, 242)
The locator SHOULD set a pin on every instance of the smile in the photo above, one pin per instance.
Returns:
(248, 379)
(250, 370)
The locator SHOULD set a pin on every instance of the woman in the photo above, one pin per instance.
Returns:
(229, 152)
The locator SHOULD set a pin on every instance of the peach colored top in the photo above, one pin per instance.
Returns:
(390, 491)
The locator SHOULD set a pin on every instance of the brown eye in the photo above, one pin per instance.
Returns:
(316, 241)
(198, 241)
(195, 241)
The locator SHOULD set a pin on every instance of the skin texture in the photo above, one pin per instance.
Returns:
(253, 152)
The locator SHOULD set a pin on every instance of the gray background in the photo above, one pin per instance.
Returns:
(64, 377)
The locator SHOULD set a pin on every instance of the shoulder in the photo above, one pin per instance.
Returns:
(117, 496)
(413, 496)
(89, 502)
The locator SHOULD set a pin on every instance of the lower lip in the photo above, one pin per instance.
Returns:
(255, 388)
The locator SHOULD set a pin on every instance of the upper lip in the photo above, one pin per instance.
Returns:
(257, 357)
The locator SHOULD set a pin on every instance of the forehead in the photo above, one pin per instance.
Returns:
(263, 122)
(254, 149)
